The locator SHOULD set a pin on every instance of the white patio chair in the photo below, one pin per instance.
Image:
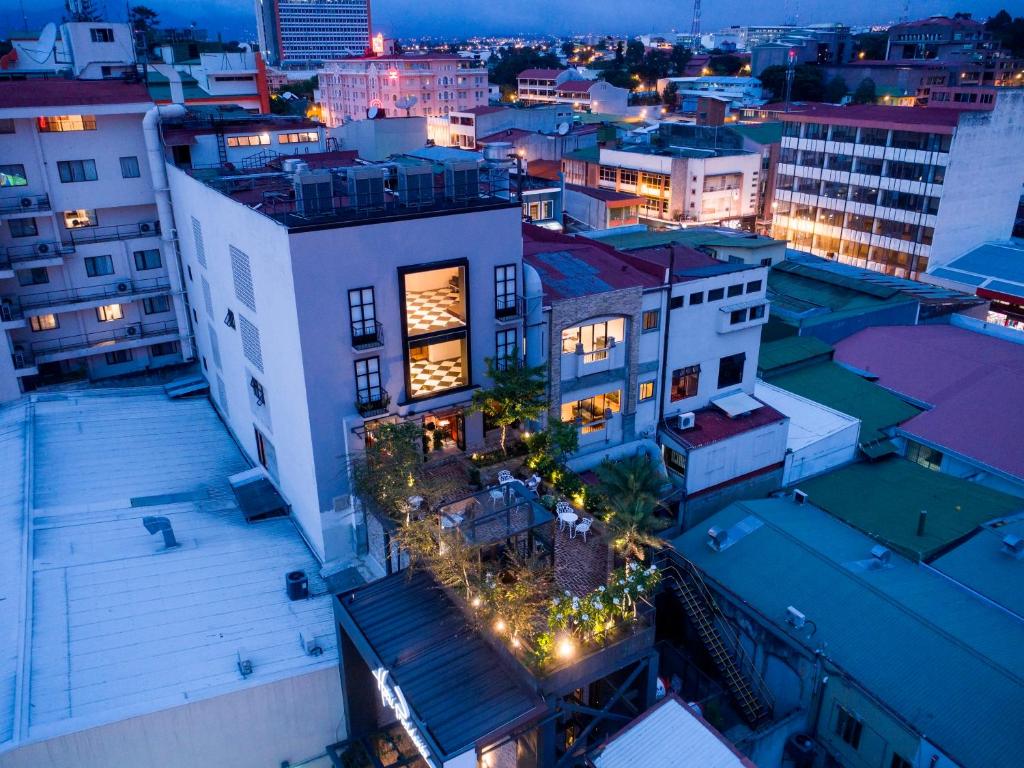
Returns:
(533, 483)
(583, 526)
(505, 476)
(497, 496)
(566, 516)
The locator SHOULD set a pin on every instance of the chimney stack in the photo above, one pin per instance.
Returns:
(922, 520)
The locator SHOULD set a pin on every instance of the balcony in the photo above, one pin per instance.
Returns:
(374, 403)
(24, 363)
(10, 313)
(73, 299)
(119, 232)
(367, 335)
(576, 365)
(23, 204)
(98, 342)
(509, 309)
(47, 254)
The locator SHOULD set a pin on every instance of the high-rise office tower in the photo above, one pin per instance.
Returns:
(308, 31)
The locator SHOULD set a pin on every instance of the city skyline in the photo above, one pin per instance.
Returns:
(235, 19)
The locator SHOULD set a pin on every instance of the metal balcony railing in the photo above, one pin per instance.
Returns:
(10, 309)
(508, 308)
(15, 254)
(367, 335)
(104, 340)
(118, 232)
(122, 289)
(24, 203)
(22, 359)
(373, 403)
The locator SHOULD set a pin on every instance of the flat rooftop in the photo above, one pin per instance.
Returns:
(949, 663)
(968, 380)
(114, 626)
(994, 270)
(712, 425)
(55, 92)
(873, 115)
(884, 499)
(690, 236)
(809, 421)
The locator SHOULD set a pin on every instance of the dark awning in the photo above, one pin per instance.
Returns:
(878, 448)
(458, 689)
(257, 497)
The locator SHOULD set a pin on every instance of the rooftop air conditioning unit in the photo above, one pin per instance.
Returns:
(461, 180)
(314, 192)
(366, 186)
(309, 643)
(795, 618)
(880, 555)
(800, 497)
(416, 185)
(686, 421)
(1013, 545)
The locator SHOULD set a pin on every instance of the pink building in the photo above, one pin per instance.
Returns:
(425, 85)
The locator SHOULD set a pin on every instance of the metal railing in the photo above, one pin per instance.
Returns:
(373, 403)
(366, 335)
(509, 307)
(124, 289)
(24, 204)
(14, 254)
(104, 340)
(117, 232)
(22, 358)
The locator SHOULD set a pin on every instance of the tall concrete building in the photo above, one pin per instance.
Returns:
(89, 281)
(302, 32)
(901, 190)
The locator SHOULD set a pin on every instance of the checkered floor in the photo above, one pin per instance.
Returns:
(430, 377)
(429, 311)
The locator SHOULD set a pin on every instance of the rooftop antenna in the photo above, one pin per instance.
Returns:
(790, 71)
(695, 24)
(906, 12)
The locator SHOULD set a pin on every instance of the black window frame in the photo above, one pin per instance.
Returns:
(849, 727)
(32, 322)
(141, 263)
(726, 365)
(147, 305)
(640, 397)
(367, 392)
(511, 349)
(118, 357)
(653, 315)
(35, 273)
(504, 300)
(68, 169)
(697, 298)
(363, 329)
(4, 169)
(754, 286)
(138, 168)
(682, 380)
(22, 230)
(89, 262)
(716, 294)
(734, 290)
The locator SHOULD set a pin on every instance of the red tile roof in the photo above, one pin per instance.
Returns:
(870, 115)
(70, 93)
(509, 134)
(484, 110)
(971, 380)
(576, 86)
(540, 74)
(608, 195)
(544, 169)
(713, 426)
(571, 267)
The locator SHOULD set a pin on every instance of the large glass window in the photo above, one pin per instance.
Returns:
(685, 382)
(13, 176)
(24, 227)
(730, 370)
(438, 364)
(65, 123)
(592, 413)
(44, 322)
(506, 348)
(109, 313)
(435, 300)
(76, 170)
(368, 389)
(130, 167)
(34, 276)
(97, 266)
(924, 455)
(81, 217)
(148, 259)
(595, 339)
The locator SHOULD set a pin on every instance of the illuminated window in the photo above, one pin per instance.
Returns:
(79, 218)
(646, 390)
(685, 382)
(260, 139)
(109, 312)
(595, 339)
(651, 318)
(44, 322)
(298, 137)
(927, 457)
(66, 123)
(13, 176)
(592, 413)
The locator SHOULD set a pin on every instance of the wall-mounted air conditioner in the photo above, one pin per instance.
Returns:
(686, 420)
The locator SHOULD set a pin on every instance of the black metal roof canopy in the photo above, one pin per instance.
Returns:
(458, 689)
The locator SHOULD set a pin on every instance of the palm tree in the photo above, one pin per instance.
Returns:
(632, 488)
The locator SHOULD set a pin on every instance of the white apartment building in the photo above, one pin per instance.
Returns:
(301, 32)
(567, 86)
(406, 85)
(88, 285)
(895, 189)
(666, 368)
(331, 297)
(89, 50)
(685, 184)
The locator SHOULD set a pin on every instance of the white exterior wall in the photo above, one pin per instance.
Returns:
(204, 151)
(696, 337)
(90, 57)
(982, 188)
(289, 720)
(285, 419)
(126, 215)
(739, 455)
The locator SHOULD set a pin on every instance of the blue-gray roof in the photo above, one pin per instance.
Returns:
(997, 266)
(981, 564)
(455, 683)
(947, 662)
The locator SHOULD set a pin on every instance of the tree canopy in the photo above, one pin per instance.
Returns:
(509, 62)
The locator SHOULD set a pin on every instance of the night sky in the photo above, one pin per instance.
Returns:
(235, 18)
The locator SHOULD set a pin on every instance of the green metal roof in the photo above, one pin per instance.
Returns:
(590, 154)
(791, 351)
(950, 664)
(884, 499)
(691, 236)
(832, 385)
(762, 133)
(981, 564)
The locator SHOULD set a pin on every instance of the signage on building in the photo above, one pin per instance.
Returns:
(378, 44)
(394, 699)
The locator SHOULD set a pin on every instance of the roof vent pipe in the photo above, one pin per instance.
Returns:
(161, 525)
(922, 521)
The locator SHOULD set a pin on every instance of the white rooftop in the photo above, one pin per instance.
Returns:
(809, 421)
(97, 621)
(669, 735)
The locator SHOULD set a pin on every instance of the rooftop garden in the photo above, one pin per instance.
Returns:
(519, 568)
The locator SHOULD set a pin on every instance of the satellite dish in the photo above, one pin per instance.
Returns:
(246, 47)
(563, 128)
(406, 102)
(372, 113)
(44, 46)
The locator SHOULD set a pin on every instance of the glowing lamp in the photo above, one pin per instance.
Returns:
(500, 626)
(565, 648)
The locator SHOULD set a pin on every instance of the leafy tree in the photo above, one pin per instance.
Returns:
(399, 50)
(569, 48)
(835, 90)
(634, 53)
(726, 64)
(865, 92)
(670, 96)
(680, 57)
(1008, 31)
(516, 394)
(871, 44)
(143, 19)
(509, 62)
(808, 82)
(631, 488)
(619, 56)
(618, 77)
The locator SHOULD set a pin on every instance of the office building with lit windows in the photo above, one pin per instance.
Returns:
(304, 32)
(331, 297)
(901, 190)
(89, 288)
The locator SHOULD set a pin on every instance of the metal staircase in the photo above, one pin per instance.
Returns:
(748, 689)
